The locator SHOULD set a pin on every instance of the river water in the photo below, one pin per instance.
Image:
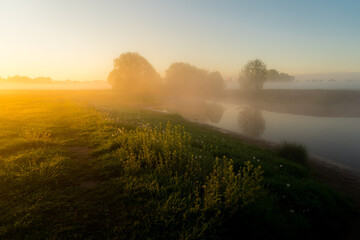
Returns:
(334, 138)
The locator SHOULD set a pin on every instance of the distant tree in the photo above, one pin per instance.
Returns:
(42, 80)
(274, 75)
(27, 80)
(19, 79)
(286, 77)
(185, 79)
(132, 73)
(253, 75)
(216, 83)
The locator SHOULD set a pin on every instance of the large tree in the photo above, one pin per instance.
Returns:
(274, 75)
(253, 75)
(132, 73)
(183, 79)
(216, 83)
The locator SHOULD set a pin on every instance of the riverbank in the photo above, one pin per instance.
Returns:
(77, 171)
(322, 103)
(341, 178)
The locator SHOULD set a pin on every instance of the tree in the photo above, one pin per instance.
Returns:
(134, 74)
(216, 83)
(253, 75)
(185, 79)
(274, 75)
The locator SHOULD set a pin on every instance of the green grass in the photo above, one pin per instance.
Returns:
(71, 171)
(294, 152)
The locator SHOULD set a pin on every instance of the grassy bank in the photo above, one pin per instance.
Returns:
(74, 171)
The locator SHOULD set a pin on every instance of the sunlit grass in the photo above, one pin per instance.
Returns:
(73, 171)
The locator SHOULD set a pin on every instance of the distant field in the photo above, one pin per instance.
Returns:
(91, 165)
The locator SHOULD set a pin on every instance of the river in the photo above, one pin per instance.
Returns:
(334, 138)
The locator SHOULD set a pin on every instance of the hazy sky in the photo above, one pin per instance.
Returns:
(78, 39)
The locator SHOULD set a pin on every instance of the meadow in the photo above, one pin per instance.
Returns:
(90, 165)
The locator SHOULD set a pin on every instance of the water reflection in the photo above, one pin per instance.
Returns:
(199, 110)
(251, 122)
(335, 138)
(214, 112)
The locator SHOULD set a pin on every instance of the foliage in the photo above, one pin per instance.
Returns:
(224, 186)
(71, 171)
(274, 75)
(253, 75)
(183, 79)
(25, 79)
(294, 152)
(133, 74)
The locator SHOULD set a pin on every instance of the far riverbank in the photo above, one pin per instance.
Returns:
(321, 103)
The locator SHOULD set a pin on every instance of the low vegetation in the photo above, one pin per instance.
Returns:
(294, 152)
(74, 171)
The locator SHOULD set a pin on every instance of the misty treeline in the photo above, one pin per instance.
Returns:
(37, 80)
(25, 79)
(133, 74)
(274, 75)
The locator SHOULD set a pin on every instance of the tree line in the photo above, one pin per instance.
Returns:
(25, 79)
(132, 73)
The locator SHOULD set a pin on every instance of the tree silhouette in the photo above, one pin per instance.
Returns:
(274, 75)
(132, 73)
(183, 79)
(253, 75)
(216, 83)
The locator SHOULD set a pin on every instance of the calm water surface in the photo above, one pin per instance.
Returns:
(335, 138)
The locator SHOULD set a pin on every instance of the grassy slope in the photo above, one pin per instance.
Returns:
(65, 172)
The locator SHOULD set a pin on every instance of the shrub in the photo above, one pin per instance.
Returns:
(229, 189)
(159, 148)
(294, 152)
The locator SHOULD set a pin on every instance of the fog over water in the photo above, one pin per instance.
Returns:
(310, 84)
(335, 138)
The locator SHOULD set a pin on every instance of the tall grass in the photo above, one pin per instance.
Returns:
(173, 174)
(70, 171)
(294, 152)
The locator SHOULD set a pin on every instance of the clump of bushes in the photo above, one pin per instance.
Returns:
(188, 193)
(294, 152)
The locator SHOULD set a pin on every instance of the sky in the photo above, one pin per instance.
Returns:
(78, 39)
